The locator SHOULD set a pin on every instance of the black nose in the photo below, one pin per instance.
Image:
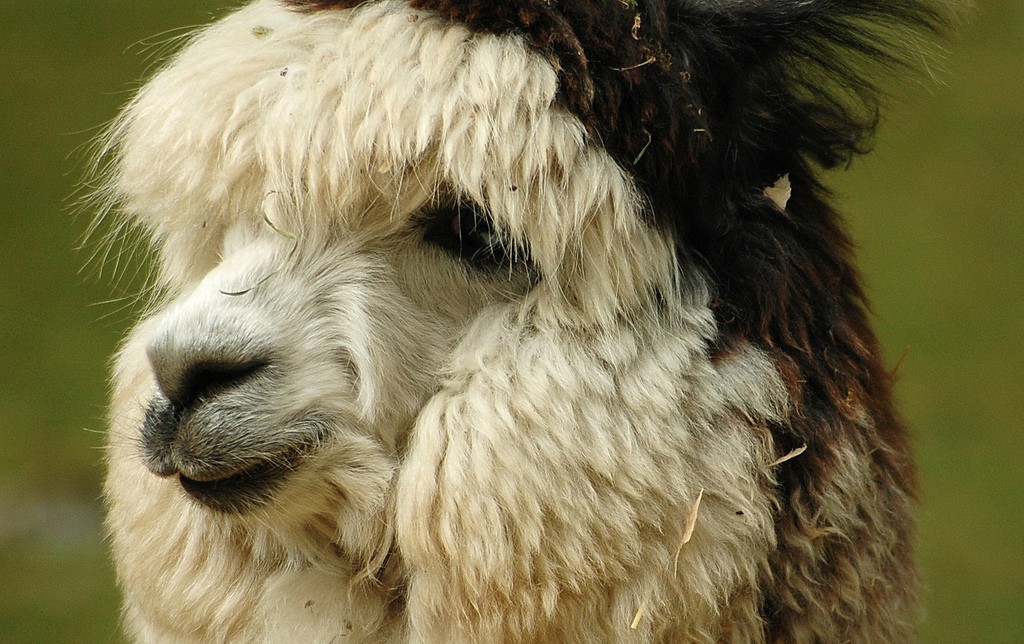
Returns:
(196, 383)
(182, 392)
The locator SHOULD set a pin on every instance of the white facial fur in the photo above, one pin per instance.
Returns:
(511, 453)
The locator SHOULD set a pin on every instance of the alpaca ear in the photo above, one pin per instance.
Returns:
(789, 78)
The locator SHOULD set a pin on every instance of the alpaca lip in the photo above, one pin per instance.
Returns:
(242, 489)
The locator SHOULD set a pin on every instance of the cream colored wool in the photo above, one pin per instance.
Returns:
(507, 459)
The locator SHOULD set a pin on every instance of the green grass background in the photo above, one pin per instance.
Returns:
(938, 212)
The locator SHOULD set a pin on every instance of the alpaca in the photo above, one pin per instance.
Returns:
(520, 321)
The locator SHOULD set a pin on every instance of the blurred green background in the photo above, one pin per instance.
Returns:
(938, 212)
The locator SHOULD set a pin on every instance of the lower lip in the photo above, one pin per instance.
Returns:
(243, 491)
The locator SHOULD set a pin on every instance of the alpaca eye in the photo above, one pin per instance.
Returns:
(466, 231)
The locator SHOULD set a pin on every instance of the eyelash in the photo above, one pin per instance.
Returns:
(465, 231)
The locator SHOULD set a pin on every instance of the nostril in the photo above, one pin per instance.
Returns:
(203, 380)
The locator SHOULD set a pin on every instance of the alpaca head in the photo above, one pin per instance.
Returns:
(341, 203)
(427, 265)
